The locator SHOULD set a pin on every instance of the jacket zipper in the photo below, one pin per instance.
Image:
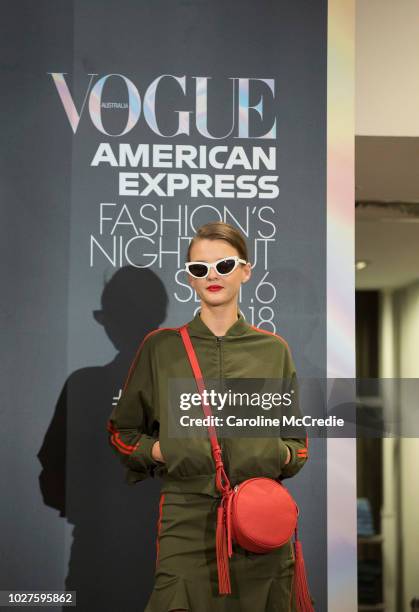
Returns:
(220, 356)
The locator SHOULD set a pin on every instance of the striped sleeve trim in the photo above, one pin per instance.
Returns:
(115, 437)
(265, 331)
(301, 452)
(137, 355)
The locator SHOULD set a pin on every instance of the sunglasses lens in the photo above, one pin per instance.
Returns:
(226, 266)
(198, 270)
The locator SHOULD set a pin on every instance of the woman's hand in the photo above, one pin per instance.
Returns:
(156, 452)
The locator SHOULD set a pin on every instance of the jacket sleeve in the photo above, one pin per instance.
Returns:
(132, 427)
(298, 446)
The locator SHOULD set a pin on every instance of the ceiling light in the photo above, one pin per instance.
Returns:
(361, 264)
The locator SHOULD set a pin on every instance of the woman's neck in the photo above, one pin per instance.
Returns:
(219, 318)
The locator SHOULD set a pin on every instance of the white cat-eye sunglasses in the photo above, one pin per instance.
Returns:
(224, 266)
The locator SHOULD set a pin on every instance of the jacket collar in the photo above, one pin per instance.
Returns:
(197, 327)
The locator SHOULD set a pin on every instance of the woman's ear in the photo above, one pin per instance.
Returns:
(247, 272)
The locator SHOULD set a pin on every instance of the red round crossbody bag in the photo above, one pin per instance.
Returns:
(263, 514)
(259, 514)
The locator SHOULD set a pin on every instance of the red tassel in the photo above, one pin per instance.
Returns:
(224, 585)
(302, 593)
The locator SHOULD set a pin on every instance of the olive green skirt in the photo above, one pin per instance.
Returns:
(186, 564)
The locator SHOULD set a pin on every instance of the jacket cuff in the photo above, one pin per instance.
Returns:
(297, 460)
(140, 459)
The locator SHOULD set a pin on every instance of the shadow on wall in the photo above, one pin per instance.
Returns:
(113, 551)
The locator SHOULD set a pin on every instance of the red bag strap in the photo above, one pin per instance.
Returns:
(199, 379)
(193, 359)
(222, 481)
(223, 538)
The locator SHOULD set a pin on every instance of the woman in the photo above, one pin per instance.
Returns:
(226, 347)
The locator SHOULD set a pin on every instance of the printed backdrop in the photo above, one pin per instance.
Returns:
(129, 125)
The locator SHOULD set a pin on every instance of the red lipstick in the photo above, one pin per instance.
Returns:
(214, 288)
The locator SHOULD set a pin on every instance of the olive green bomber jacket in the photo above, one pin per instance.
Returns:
(140, 416)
